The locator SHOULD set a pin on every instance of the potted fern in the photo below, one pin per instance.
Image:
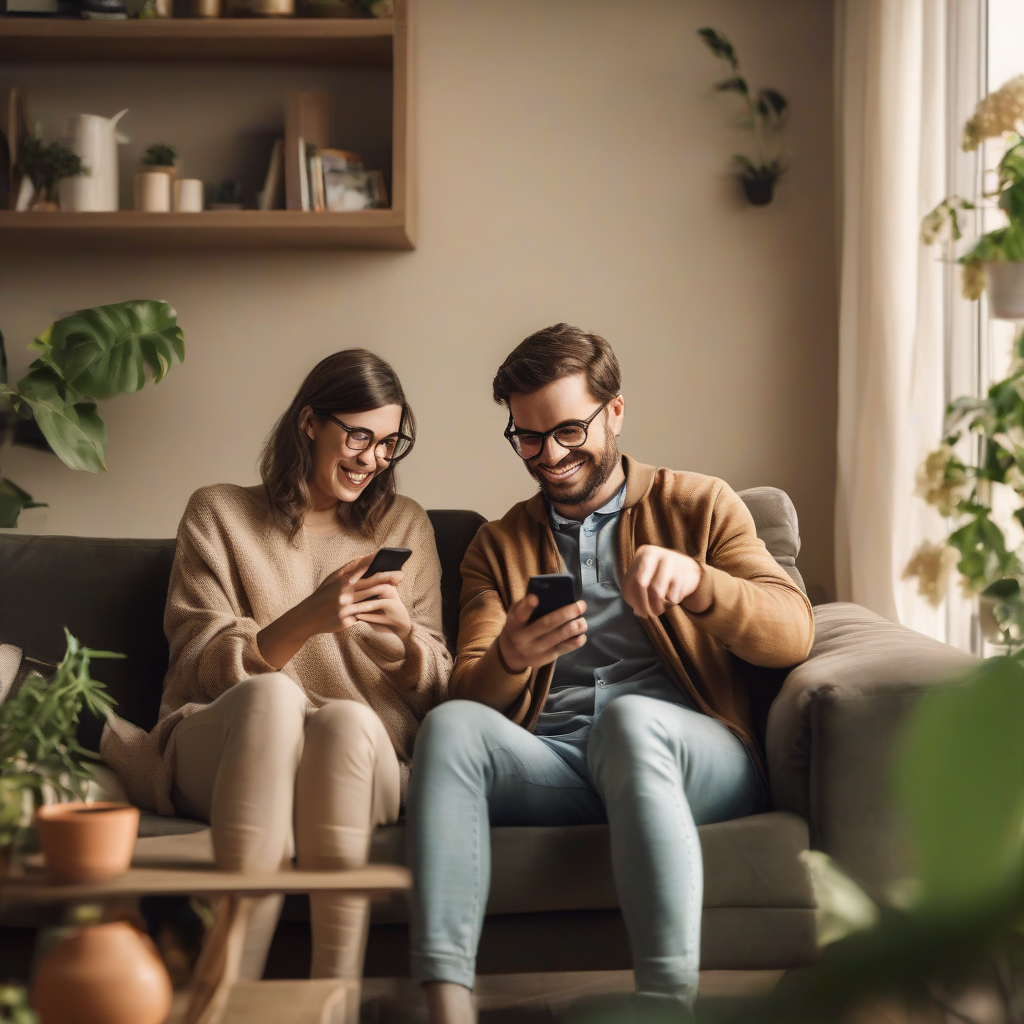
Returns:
(46, 167)
(996, 260)
(40, 759)
(83, 359)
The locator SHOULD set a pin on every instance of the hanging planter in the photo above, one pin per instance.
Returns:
(1005, 284)
(997, 258)
(765, 115)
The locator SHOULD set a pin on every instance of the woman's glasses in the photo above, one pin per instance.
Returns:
(388, 449)
(528, 444)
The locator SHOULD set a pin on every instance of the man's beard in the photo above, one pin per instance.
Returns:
(595, 473)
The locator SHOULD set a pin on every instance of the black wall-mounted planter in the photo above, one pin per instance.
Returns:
(759, 191)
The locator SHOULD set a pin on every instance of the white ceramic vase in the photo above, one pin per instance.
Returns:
(95, 139)
(1005, 284)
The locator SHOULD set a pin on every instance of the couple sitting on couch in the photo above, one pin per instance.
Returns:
(297, 684)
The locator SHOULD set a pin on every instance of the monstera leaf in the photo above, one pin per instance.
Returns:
(73, 428)
(106, 351)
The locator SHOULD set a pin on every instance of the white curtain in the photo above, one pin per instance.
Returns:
(891, 169)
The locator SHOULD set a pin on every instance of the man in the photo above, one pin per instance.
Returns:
(628, 705)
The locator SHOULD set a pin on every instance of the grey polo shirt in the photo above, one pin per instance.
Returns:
(618, 657)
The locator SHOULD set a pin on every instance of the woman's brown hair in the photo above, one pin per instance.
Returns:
(353, 380)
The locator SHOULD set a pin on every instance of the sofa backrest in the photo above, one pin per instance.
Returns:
(111, 594)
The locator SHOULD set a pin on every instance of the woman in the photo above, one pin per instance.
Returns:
(296, 685)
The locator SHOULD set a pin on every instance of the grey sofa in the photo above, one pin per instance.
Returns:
(829, 727)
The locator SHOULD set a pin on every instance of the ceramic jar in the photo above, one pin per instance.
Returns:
(1005, 283)
(105, 974)
(87, 842)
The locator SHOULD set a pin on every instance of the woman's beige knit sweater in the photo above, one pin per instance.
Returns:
(235, 571)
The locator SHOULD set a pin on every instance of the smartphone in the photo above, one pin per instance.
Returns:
(387, 560)
(555, 591)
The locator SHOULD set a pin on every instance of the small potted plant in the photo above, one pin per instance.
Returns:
(161, 157)
(46, 167)
(765, 115)
(997, 258)
(40, 758)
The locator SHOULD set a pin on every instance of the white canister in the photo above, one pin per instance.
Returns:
(95, 139)
(153, 192)
(188, 195)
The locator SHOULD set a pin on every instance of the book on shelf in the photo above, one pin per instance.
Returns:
(270, 197)
(303, 174)
(13, 128)
(316, 181)
(306, 123)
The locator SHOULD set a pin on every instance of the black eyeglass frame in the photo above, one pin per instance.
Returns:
(511, 434)
(373, 438)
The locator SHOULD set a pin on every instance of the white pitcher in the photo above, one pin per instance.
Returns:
(95, 140)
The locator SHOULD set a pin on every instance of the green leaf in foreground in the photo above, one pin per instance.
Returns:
(106, 351)
(73, 428)
(960, 784)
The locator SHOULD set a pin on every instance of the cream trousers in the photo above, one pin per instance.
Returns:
(272, 777)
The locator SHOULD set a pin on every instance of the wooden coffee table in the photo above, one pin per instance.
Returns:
(183, 865)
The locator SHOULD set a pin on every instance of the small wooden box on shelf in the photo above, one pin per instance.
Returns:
(332, 43)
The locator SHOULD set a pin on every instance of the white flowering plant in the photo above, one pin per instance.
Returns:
(988, 565)
(1000, 114)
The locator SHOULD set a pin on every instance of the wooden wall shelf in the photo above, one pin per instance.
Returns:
(285, 229)
(358, 42)
(354, 41)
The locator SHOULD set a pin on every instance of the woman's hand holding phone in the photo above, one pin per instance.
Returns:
(378, 603)
(336, 605)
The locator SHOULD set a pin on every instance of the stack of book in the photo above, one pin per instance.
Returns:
(315, 176)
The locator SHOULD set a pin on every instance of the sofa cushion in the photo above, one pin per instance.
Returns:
(749, 862)
(777, 525)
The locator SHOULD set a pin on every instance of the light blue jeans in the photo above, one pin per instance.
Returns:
(657, 771)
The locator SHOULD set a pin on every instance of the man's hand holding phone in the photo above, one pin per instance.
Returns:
(527, 644)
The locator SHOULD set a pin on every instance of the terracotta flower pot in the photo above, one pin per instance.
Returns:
(106, 974)
(87, 842)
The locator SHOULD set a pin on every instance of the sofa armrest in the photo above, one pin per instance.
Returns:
(833, 727)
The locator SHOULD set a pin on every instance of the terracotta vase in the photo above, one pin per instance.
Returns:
(87, 842)
(106, 974)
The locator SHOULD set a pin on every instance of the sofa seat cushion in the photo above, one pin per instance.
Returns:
(749, 862)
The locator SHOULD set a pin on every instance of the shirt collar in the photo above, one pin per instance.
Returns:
(609, 508)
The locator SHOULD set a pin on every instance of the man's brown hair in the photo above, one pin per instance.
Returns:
(557, 352)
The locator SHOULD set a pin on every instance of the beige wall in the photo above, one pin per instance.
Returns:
(573, 166)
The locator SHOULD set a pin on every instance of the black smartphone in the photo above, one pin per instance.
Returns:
(387, 560)
(555, 590)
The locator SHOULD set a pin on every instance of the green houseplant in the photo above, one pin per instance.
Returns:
(40, 757)
(997, 258)
(160, 156)
(88, 357)
(765, 115)
(46, 167)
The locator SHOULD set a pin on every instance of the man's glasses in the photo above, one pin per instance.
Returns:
(528, 444)
(387, 449)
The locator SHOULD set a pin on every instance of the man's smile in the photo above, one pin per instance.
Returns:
(565, 470)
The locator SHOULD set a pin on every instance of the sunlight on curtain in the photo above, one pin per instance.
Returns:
(892, 168)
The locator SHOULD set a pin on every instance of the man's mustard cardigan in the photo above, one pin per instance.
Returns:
(757, 615)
